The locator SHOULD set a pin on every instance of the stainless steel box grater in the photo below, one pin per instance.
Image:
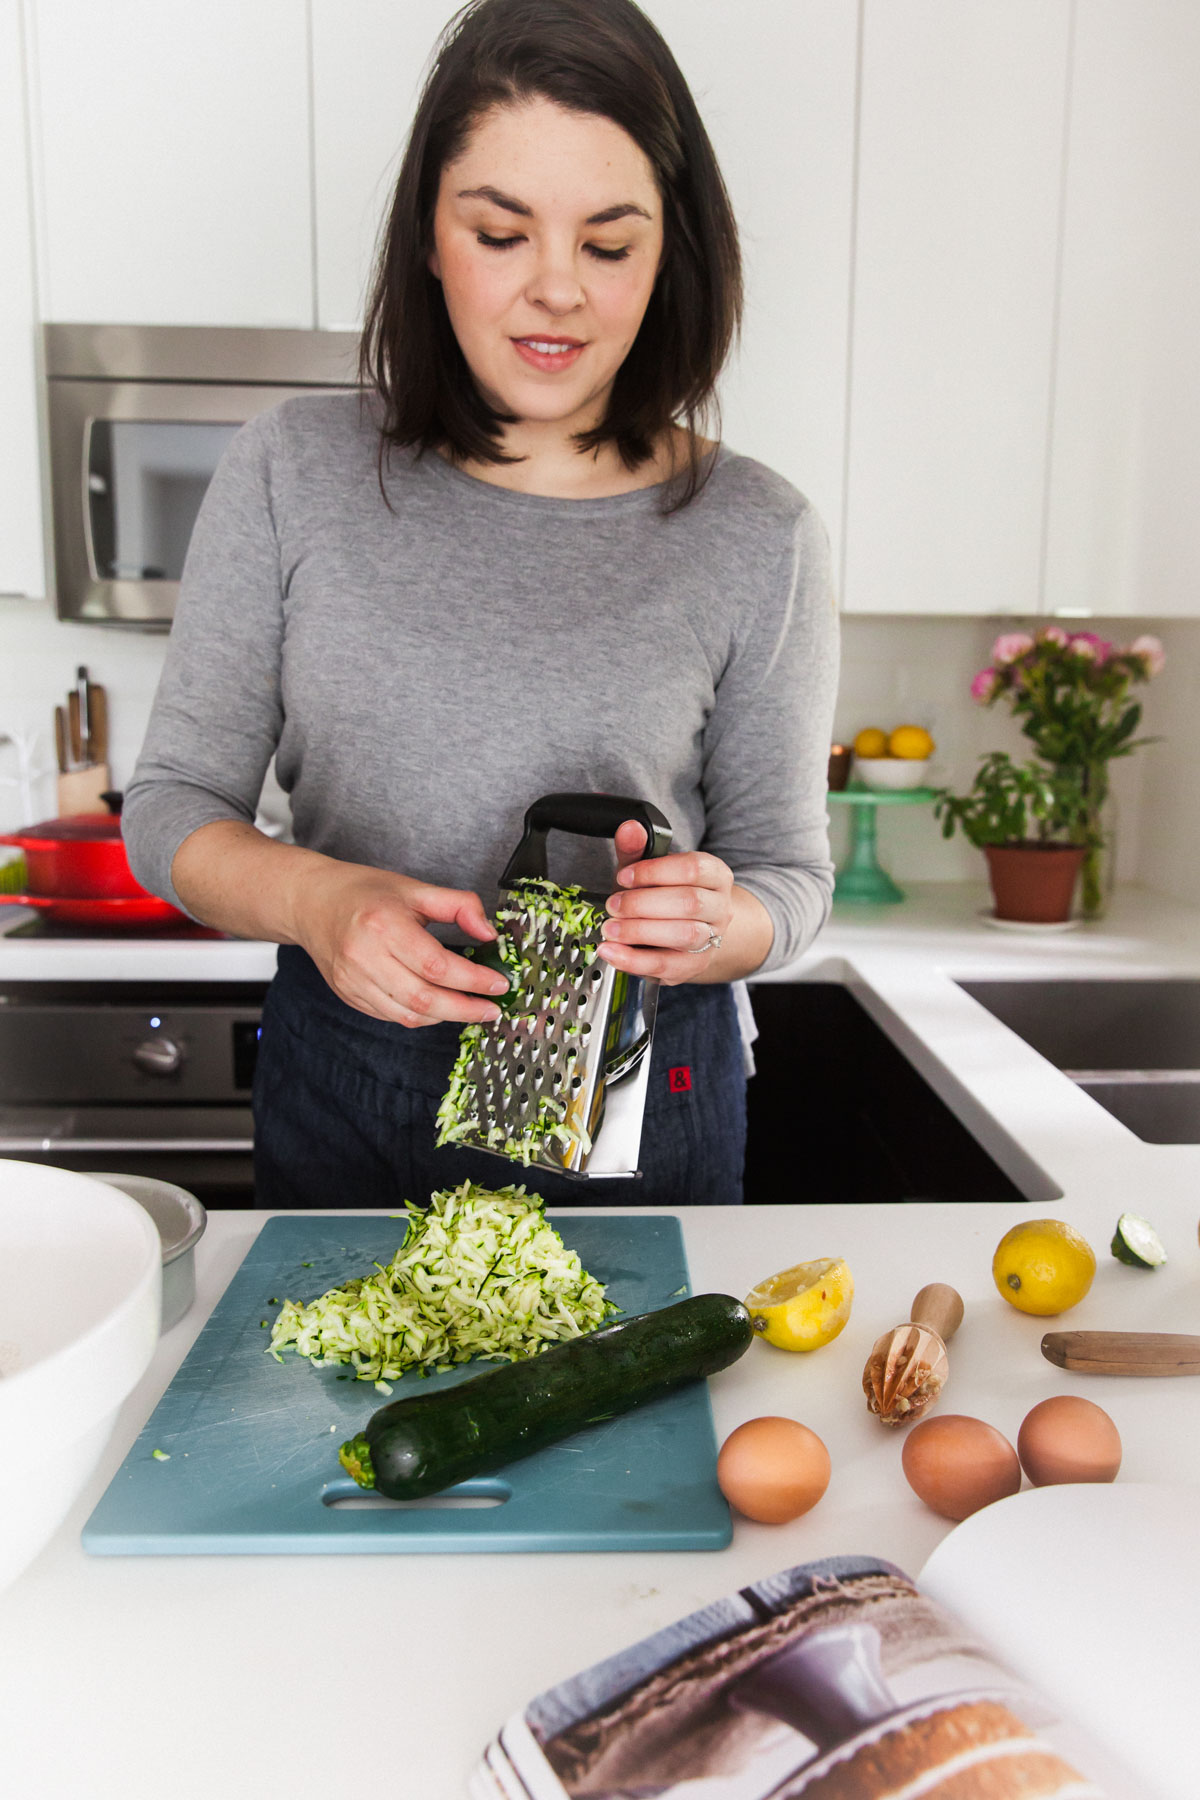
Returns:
(561, 1077)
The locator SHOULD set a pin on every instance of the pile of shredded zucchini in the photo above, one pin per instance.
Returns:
(461, 1115)
(482, 1273)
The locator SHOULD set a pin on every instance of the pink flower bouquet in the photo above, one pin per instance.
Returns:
(1071, 692)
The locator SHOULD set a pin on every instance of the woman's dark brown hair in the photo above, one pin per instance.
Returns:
(599, 57)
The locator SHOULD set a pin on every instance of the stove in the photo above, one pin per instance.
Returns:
(133, 1077)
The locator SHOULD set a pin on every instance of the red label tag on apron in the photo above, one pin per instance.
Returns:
(679, 1080)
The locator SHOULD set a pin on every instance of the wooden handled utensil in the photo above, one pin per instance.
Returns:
(1123, 1352)
(60, 740)
(98, 722)
(908, 1367)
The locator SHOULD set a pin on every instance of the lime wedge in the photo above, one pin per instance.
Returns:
(1137, 1243)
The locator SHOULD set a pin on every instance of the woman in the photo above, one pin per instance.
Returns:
(508, 570)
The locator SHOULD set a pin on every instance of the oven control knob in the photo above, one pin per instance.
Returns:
(159, 1056)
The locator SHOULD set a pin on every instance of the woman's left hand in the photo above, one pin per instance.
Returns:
(671, 912)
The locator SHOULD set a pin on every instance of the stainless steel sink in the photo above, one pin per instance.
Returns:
(1134, 1046)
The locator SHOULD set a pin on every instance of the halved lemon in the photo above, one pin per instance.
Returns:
(803, 1307)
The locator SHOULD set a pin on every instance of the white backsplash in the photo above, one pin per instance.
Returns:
(894, 671)
(918, 671)
(38, 659)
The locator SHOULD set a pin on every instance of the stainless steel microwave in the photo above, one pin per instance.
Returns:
(139, 416)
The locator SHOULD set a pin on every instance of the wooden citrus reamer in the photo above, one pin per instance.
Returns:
(908, 1367)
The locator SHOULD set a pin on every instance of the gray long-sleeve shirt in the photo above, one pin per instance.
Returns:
(422, 673)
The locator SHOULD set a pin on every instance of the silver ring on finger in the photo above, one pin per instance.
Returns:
(713, 942)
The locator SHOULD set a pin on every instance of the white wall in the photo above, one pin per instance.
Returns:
(1166, 810)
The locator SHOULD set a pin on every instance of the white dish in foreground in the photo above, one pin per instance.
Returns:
(80, 1294)
(1093, 1589)
(1031, 925)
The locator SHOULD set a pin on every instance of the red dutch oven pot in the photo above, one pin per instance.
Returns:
(80, 858)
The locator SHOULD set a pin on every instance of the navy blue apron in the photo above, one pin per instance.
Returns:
(345, 1107)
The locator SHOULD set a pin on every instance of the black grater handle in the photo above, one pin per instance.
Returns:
(587, 815)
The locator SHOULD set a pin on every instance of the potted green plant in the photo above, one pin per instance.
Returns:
(1031, 821)
(1071, 693)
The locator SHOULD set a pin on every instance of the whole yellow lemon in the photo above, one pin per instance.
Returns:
(1043, 1266)
(871, 742)
(912, 742)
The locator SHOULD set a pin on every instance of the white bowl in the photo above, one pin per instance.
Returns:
(891, 774)
(181, 1221)
(80, 1296)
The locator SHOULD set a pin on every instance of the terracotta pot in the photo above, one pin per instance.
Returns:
(1034, 883)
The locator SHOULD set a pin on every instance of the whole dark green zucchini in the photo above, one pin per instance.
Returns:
(419, 1445)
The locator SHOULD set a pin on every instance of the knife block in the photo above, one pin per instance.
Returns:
(79, 790)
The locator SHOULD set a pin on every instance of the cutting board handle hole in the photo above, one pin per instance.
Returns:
(348, 1497)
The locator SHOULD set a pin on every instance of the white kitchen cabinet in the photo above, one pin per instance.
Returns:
(777, 97)
(960, 167)
(1125, 465)
(368, 65)
(22, 563)
(173, 160)
(775, 85)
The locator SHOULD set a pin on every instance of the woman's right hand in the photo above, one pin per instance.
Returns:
(364, 928)
(366, 931)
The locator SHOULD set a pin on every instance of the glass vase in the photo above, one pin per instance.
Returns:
(1097, 875)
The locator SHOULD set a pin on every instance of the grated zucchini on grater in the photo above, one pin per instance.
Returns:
(517, 1086)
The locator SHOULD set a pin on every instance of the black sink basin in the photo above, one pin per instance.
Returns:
(1134, 1046)
(837, 1113)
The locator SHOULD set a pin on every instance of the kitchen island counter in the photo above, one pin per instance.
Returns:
(239, 1676)
(246, 1676)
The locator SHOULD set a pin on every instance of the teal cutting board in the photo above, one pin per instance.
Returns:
(252, 1443)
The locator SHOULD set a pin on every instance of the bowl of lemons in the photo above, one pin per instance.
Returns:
(890, 761)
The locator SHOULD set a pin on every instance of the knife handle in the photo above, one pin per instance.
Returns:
(1123, 1352)
(74, 736)
(60, 739)
(85, 713)
(98, 722)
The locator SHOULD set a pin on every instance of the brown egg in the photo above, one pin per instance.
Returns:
(1068, 1438)
(956, 1465)
(773, 1469)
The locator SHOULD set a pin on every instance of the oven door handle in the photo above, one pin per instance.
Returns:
(24, 1145)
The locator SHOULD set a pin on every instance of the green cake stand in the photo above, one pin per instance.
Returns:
(860, 878)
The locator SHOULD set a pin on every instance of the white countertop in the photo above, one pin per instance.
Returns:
(247, 1676)
(241, 1676)
(1144, 933)
(148, 958)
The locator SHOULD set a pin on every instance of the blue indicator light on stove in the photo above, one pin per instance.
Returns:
(154, 1024)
